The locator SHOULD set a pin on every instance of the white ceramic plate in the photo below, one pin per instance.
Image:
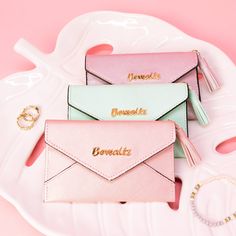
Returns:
(46, 87)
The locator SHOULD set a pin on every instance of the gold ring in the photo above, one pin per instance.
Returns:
(23, 123)
(28, 117)
(33, 111)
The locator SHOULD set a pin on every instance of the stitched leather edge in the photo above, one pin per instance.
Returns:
(117, 174)
(99, 76)
(70, 103)
(172, 189)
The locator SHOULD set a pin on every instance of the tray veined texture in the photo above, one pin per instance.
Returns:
(46, 86)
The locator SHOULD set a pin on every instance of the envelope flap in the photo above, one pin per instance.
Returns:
(121, 68)
(109, 148)
(120, 102)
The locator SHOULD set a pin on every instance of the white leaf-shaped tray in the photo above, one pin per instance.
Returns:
(46, 86)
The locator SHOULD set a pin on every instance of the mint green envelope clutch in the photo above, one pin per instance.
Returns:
(134, 102)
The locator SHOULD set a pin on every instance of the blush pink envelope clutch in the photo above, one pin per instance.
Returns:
(139, 68)
(109, 161)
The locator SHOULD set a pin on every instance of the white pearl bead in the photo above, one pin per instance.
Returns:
(194, 208)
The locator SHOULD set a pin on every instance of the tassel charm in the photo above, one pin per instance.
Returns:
(190, 152)
(198, 108)
(207, 73)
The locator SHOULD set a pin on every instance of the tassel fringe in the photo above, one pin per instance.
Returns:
(198, 108)
(208, 74)
(190, 152)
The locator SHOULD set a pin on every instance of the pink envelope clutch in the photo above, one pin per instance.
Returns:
(109, 161)
(145, 68)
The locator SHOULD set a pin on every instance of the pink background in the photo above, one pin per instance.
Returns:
(40, 22)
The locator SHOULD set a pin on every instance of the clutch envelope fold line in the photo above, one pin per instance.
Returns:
(133, 162)
(93, 64)
(86, 108)
(93, 168)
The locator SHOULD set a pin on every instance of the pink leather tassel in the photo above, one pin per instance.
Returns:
(190, 152)
(208, 74)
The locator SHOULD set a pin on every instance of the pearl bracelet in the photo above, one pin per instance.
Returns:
(210, 223)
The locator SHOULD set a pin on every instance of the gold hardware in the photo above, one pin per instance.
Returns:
(33, 111)
(28, 117)
(197, 187)
(134, 112)
(196, 51)
(195, 192)
(150, 76)
(111, 152)
(227, 219)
